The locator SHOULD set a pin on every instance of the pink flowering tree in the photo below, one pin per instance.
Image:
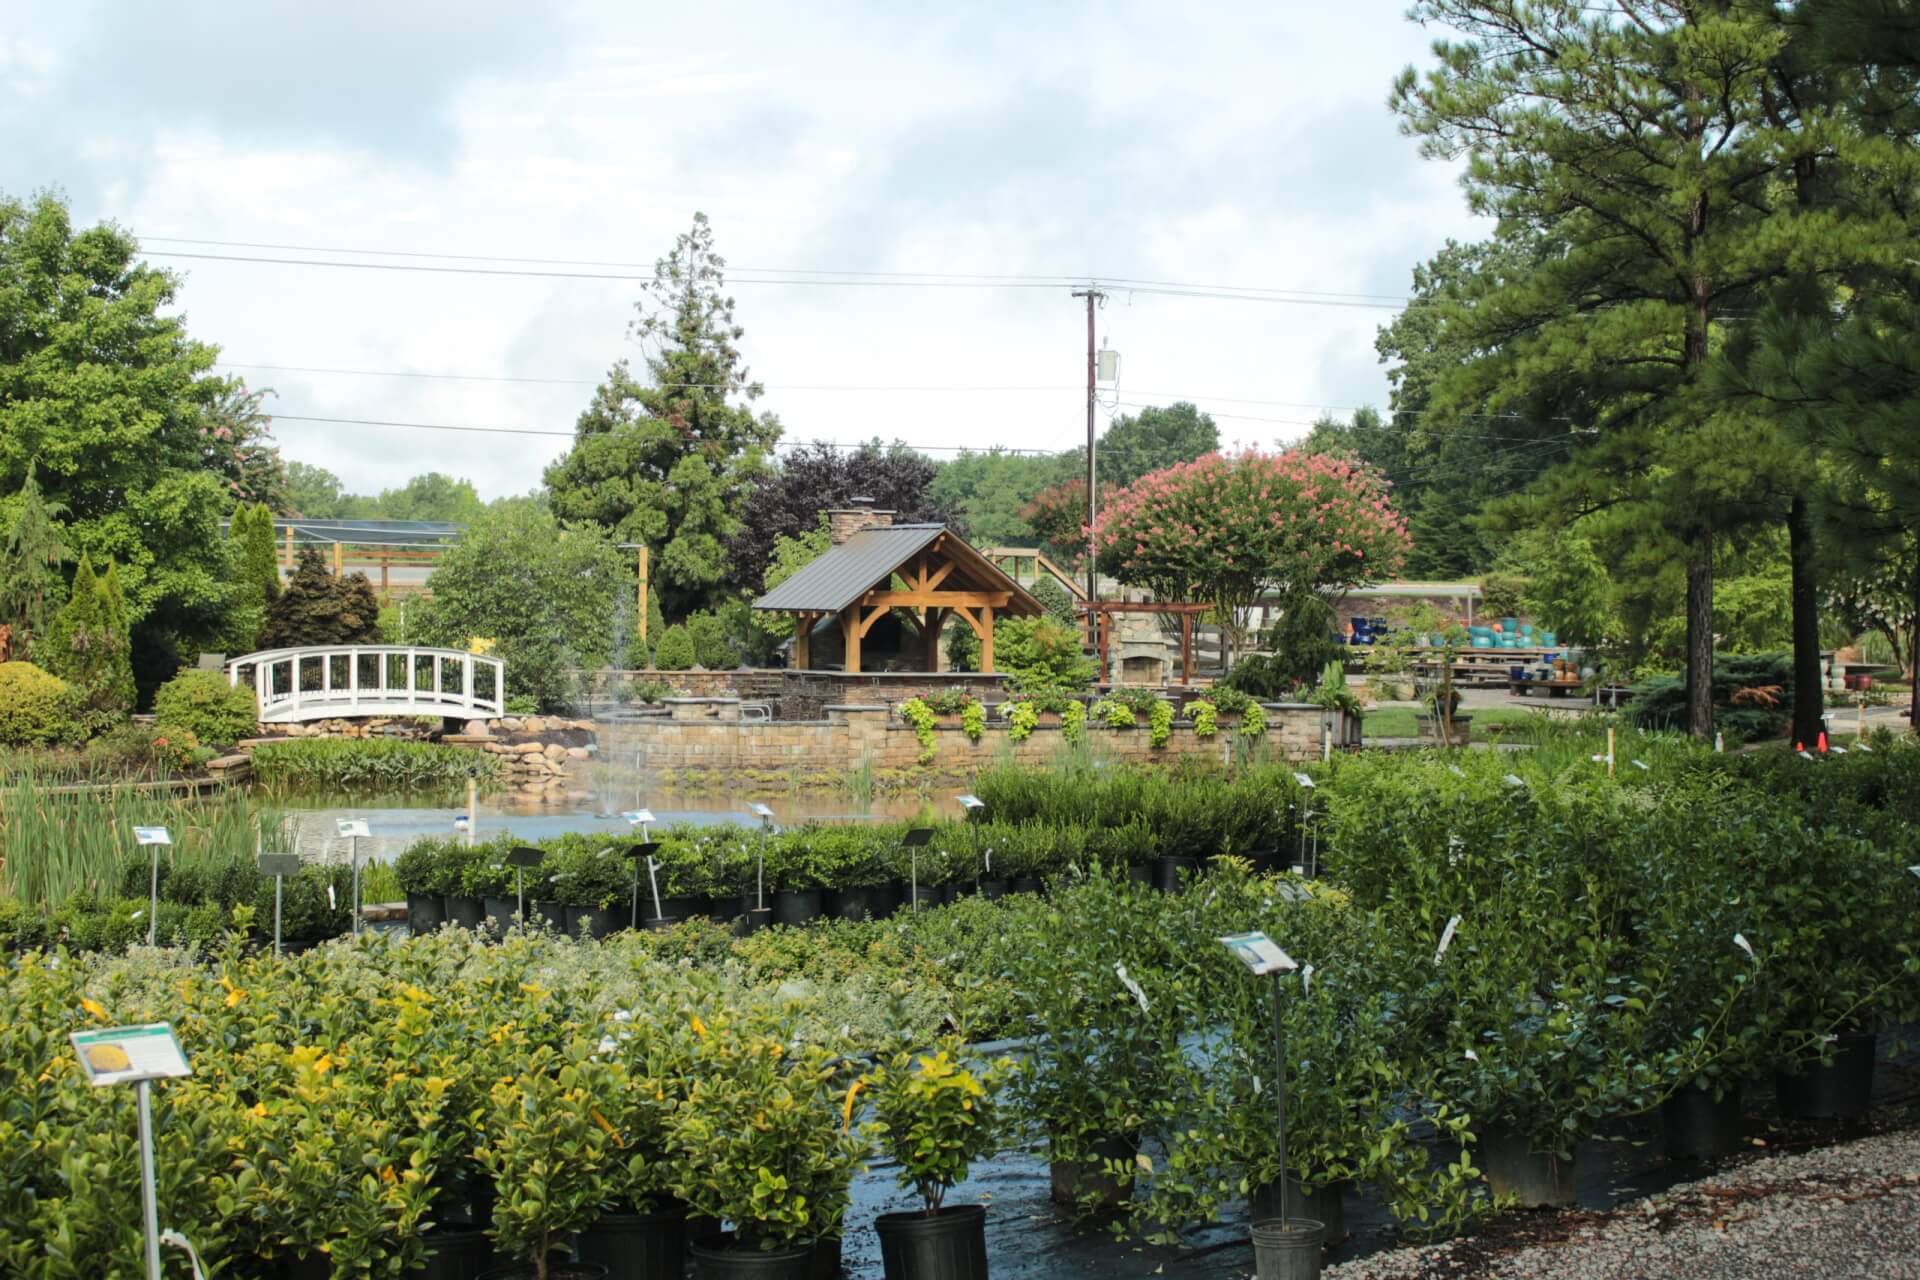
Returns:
(1229, 529)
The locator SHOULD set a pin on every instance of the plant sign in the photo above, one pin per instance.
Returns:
(1306, 783)
(639, 817)
(1259, 953)
(155, 837)
(136, 1055)
(279, 866)
(352, 830)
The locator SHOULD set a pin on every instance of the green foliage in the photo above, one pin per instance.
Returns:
(1040, 653)
(1056, 600)
(204, 704)
(87, 646)
(545, 594)
(973, 720)
(1300, 646)
(377, 764)
(1113, 712)
(544, 1149)
(668, 462)
(254, 572)
(319, 608)
(31, 554)
(1206, 718)
(1022, 716)
(790, 555)
(1160, 723)
(113, 407)
(36, 707)
(711, 647)
(917, 713)
(1073, 723)
(989, 489)
(936, 1117)
(1752, 697)
(675, 652)
(1502, 595)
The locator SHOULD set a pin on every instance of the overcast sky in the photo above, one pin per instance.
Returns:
(1242, 145)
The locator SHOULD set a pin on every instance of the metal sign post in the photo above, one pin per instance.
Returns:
(351, 829)
(1262, 957)
(154, 836)
(765, 815)
(279, 866)
(916, 840)
(638, 854)
(520, 859)
(138, 1056)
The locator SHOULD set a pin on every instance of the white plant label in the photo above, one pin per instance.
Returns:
(352, 827)
(1259, 953)
(1306, 981)
(152, 835)
(638, 817)
(1472, 1056)
(121, 1055)
(1740, 941)
(989, 861)
(762, 812)
(1861, 746)
(1126, 980)
(1915, 870)
(1513, 780)
(1306, 783)
(1456, 771)
(1804, 754)
(1600, 757)
(1719, 742)
(1642, 764)
(1446, 939)
(1839, 751)
(333, 903)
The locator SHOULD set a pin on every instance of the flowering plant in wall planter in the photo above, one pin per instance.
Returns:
(1073, 723)
(917, 713)
(1160, 724)
(973, 719)
(1113, 713)
(1205, 717)
(1022, 716)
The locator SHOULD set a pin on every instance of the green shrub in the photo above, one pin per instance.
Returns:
(1752, 697)
(204, 704)
(711, 647)
(675, 651)
(385, 764)
(36, 709)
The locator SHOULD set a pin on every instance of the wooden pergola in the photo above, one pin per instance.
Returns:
(925, 568)
(1102, 612)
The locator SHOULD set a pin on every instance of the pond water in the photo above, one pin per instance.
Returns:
(396, 821)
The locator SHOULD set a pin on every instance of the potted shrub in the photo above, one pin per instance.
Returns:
(764, 1139)
(463, 907)
(795, 861)
(641, 1233)
(545, 1144)
(595, 887)
(422, 871)
(856, 869)
(936, 1118)
(487, 876)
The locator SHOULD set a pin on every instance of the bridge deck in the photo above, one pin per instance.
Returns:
(342, 681)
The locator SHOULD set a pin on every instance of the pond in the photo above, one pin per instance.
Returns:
(397, 820)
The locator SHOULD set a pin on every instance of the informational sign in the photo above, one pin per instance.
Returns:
(972, 802)
(279, 864)
(1259, 953)
(124, 1055)
(152, 835)
(917, 837)
(1306, 783)
(350, 828)
(645, 851)
(525, 856)
(761, 811)
(639, 817)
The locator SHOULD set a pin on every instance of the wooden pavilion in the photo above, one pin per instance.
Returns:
(875, 566)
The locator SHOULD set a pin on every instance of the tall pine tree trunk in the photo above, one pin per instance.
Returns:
(1700, 633)
(1809, 697)
(1913, 653)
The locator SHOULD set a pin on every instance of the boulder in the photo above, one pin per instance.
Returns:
(577, 753)
(477, 728)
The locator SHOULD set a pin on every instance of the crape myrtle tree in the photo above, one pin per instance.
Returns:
(1230, 529)
(787, 501)
(1635, 139)
(669, 459)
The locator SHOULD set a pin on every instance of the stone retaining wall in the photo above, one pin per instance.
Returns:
(799, 695)
(851, 736)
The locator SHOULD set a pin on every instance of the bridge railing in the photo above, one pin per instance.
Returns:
(370, 680)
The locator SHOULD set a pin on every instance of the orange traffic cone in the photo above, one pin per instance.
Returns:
(1823, 742)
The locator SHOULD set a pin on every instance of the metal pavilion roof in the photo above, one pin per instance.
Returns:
(868, 559)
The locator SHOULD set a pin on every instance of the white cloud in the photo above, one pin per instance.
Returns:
(1236, 145)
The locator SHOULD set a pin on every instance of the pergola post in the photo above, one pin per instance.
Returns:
(803, 640)
(986, 639)
(930, 623)
(850, 630)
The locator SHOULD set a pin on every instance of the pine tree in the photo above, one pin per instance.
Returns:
(1638, 142)
(319, 608)
(116, 657)
(253, 574)
(31, 554)
(87, 646)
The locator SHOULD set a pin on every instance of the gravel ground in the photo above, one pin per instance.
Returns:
(1851, 1210)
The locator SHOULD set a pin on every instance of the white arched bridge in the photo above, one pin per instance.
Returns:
(322, 682)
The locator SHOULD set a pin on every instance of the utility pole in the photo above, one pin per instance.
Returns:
(1092, 295)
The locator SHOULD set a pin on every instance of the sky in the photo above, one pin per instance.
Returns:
(1234, 146)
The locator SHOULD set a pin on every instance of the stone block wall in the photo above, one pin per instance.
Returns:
(851, 735)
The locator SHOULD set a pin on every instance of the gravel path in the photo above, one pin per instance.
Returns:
(1844, 1211)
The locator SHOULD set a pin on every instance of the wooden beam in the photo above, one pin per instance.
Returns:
(986, 639)
(803, 641)
(938, 578)
(938, 599)
(930, 625)
(866, 624)
(850, 629)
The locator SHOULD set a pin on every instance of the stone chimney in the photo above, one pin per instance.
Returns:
(844, 522)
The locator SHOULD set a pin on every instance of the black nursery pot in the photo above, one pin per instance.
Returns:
(1842, 1091)
(459, 1255)
(719, 1258)
(1140, 872)
(797, 906)
(948, 1245)
(991, 889)
(685, 907)
(660, 924)
(1326, 1205)
(1025, 884)
(1698, 1126)
(549, 915)
(466, 910)
(855, 904)
(638, 1246)
(425, 913)
(924, 896)
(957, 890)
(556, 1270)
(1167, 871)
(501, 912)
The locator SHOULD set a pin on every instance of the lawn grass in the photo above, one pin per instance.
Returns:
(1397, 722)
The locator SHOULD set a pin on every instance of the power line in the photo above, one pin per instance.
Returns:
(569, 435)
(594, 382)
(1219, 293)
(1038, 281)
